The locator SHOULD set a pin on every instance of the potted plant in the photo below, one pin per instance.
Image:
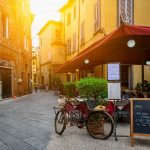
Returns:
(92, 88)
(95, 91)
(148, 86)
(69, 89)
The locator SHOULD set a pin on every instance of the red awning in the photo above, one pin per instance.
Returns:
(113, 48)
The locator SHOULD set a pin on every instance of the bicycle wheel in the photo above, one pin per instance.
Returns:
(100, 125)
(60, 122)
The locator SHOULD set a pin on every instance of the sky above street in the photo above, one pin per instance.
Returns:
(44, 10)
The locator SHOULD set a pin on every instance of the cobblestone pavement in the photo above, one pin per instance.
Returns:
(26, 123)
(78, 139)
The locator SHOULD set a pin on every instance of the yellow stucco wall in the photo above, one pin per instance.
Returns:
(109, 21)
(142, 12)
(109, 15)
(45, 47)
(108, 10)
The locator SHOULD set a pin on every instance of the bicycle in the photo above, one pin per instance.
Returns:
(99, 123)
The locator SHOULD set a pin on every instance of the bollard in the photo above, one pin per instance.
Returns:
(14, 97)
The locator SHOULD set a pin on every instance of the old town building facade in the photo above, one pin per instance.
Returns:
(15, 47)
(84, 22)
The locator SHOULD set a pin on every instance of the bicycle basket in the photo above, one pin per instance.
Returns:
(61, 103)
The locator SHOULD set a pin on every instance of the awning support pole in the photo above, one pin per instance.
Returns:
(143, 76)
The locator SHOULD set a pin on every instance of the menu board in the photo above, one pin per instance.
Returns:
(114, 90)
(140, 117)
(113, 71)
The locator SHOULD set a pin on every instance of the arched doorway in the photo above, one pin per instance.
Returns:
(6, 78)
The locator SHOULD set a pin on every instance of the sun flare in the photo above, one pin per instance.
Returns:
(45, 10)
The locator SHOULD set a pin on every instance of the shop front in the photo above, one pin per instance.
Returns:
(128, 45)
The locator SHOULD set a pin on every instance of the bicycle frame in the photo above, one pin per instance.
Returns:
(75, 113)
(80, 115)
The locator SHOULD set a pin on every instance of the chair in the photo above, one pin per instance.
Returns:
(125, 110)
(91, 104)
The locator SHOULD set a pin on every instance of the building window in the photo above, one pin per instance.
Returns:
(68, 19)
(5, 26)
(61, 51)
(74, 12)
(97, 16)
(82, 41)
(26, 43)
(69, 46)
(57, 34)
(125, 11)
(74, 42)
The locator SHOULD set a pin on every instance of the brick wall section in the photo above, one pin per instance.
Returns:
(12, 49)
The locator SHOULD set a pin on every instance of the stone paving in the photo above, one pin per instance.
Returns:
(26, 122)
(78, 139)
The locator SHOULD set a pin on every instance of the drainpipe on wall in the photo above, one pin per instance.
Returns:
(64, 38)
(79, 29)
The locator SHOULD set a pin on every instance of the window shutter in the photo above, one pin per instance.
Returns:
(125, 11)
(129, 11)
(74, 42)
(97, 16)
(82, 32)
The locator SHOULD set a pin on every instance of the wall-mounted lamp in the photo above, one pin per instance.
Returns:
(147, 62)
(77, 70)
(19, 80)
(131, 43)
(86, 61)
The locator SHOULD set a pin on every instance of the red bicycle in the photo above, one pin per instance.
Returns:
(99, 123)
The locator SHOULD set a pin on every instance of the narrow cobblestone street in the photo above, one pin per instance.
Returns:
(25, 123)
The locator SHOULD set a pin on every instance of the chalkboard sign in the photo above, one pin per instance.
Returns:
(140, 117)
(113, 71)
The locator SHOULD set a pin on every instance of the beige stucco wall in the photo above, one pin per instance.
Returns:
(48, 50)
(137, 74)
(58, 54)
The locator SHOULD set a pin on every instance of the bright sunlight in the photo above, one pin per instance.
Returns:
(44, 10)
